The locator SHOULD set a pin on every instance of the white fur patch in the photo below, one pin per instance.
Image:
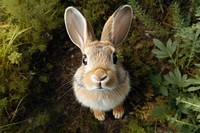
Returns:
(104, 100)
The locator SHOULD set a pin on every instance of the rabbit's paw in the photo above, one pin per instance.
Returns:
(118, 111)
(100, 115)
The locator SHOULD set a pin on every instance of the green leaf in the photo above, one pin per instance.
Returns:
(168, 78)
(159, 44)
(173, 47)
(193, 81)
(164, 90)
(194, 88)
(164, 51)
(197, 33)
(160, 54)
(177, 73)
(155, 79)
(169, 44)
(175, 78)
(198, 118)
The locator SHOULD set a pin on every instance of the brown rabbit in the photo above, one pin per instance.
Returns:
(100, 83)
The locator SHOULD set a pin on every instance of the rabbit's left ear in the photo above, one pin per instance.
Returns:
(118, 25)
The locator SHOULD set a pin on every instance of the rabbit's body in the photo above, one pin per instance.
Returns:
(100, 83)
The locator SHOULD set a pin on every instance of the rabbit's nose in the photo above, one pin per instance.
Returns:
(99, 79)
(99, 75)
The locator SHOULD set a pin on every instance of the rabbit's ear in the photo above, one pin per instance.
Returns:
(118, 25)
(78, 29)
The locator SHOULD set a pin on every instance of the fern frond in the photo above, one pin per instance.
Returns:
(147, 20)
(177, 18)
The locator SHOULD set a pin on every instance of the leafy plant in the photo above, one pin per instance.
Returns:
(181, 83)
(164, 51)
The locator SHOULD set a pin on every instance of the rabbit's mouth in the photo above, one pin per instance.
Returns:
(100, 86)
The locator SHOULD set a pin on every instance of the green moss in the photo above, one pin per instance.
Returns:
(134, 127)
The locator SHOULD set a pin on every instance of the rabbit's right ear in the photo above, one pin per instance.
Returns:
(78, 29)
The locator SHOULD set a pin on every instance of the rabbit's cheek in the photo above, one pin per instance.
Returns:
(112, 82)
(89, 85)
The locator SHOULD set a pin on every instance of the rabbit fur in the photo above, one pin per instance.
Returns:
(100, 83)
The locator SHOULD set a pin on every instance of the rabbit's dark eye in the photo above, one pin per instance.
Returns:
(84, 59)
(114, 58)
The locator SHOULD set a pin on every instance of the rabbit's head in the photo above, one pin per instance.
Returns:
(100, 69)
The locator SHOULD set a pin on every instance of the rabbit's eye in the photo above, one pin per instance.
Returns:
(84, 59)
(114, 58)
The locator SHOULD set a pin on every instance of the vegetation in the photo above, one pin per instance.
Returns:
(37, 64)
(25, 28)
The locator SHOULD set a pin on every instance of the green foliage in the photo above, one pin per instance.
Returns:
(146, 19)
(25, 28)
(41, 119)
(181, 83)
(164, 51)
(41, 19)
(176, 16)
(159, 112)
(134, 127)
(3, 104)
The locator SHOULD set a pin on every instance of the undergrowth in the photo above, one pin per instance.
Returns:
(179, 79)
(25, 28)
(164, 71)
(175, 80)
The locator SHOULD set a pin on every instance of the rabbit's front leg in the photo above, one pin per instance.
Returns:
(98, 114)
(118, 111)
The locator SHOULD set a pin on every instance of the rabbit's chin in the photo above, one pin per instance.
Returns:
(99, 88)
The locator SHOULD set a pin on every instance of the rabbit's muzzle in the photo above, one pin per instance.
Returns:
(99, 76)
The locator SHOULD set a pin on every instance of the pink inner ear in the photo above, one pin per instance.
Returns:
(121, 27)
(76, 26)
(122, 22)
(118, 25)
(79, 24)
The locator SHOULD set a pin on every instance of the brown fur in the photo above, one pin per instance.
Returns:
(100, 84)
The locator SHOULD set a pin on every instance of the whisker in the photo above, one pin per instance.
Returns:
(65, 84)
(68, 68)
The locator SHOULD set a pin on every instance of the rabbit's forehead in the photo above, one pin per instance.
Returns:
(99, 49)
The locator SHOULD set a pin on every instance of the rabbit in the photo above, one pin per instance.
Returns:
(100, 83)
